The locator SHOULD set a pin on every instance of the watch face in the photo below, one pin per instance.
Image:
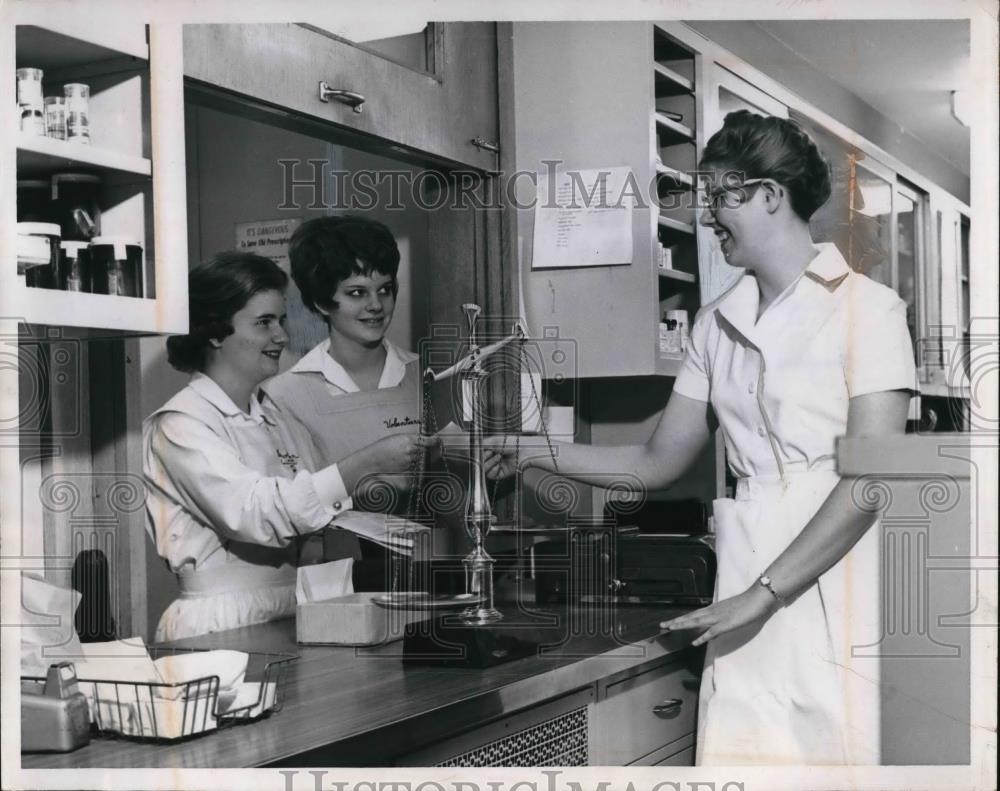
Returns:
(765, 580)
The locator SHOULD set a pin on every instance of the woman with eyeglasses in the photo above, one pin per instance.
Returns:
(800, 351)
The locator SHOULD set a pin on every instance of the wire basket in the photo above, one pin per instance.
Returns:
(164, 711)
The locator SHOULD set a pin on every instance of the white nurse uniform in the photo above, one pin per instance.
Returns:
(227, 495)
(797, 689)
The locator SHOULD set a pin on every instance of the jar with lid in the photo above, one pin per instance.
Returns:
(77, 112)
(74, 266)
(76, 206)
(116, 266)
(38, 253)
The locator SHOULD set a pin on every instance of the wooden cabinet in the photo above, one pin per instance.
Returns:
(435, 115)
(646, 719)
(136, 154)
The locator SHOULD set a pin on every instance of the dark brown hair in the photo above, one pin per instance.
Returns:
(760, 146)
(217, 290)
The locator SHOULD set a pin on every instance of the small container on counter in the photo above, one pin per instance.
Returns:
(38, 253)
(76, 205)
(74, 266)
(77, 112)
(34, 201)
(55, 117)
(116, 266)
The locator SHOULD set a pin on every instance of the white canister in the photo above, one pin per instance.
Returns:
(38, 252)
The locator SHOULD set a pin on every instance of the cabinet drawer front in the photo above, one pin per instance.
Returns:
(683, 758)
(646, 712)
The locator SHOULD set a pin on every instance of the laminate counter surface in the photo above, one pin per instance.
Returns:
(364, 704)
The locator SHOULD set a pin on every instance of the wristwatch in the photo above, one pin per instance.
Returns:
(765, 582)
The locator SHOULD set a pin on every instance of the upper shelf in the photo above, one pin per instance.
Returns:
(669, 82)
(54, 48)
(44, 155)
(666, 47)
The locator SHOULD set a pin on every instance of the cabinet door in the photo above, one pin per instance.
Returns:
(725, 93)
(437, 112)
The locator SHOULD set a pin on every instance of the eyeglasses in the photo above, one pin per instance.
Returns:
(727, 197)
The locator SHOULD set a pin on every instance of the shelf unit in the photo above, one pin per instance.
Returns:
(136, 120)
(674, 159)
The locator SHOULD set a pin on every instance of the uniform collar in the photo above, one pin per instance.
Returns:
(208, 388)
(739, 306)
(318, 360)
(828, 267)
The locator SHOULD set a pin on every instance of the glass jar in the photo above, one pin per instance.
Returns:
(30, 102)
(74, 266)
(77, 112)
(38, 253)
(116, 266)
(55, 117)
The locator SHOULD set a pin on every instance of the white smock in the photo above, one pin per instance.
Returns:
(795, 689)
(228, 494)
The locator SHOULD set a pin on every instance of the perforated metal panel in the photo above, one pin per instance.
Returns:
(557, 741)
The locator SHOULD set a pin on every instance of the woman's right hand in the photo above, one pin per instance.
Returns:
(499, 457)
(399, 452)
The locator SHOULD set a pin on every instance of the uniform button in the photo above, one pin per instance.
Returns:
(761, 431)
(337, 505)
(751, 388)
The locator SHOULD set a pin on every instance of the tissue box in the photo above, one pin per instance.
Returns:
(354, 619)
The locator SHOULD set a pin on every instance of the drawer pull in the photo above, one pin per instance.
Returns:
(350, 98)
(668, 709)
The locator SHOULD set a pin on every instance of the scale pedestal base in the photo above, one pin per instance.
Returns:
(445, 641)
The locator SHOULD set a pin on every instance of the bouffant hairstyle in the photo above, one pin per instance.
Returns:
(217, 290)
(758, 146)
(326, 250)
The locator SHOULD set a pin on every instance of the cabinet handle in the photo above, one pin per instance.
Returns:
(352, 99)
(483, 145)
(669, 708)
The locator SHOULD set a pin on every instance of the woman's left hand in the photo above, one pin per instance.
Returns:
(724, 616)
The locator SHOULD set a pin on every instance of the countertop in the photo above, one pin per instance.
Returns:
(342, 706)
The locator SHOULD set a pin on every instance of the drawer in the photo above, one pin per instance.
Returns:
(643, 714)
(683, 758)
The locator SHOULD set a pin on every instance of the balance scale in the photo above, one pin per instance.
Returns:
(469, 630)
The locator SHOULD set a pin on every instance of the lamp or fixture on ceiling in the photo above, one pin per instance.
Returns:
(961, 107)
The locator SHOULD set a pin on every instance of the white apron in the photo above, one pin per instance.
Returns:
(799, 688)
(790, 691)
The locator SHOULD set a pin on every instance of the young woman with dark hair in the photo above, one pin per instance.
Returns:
(800, 351)
(356, 392)
(232, 481)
